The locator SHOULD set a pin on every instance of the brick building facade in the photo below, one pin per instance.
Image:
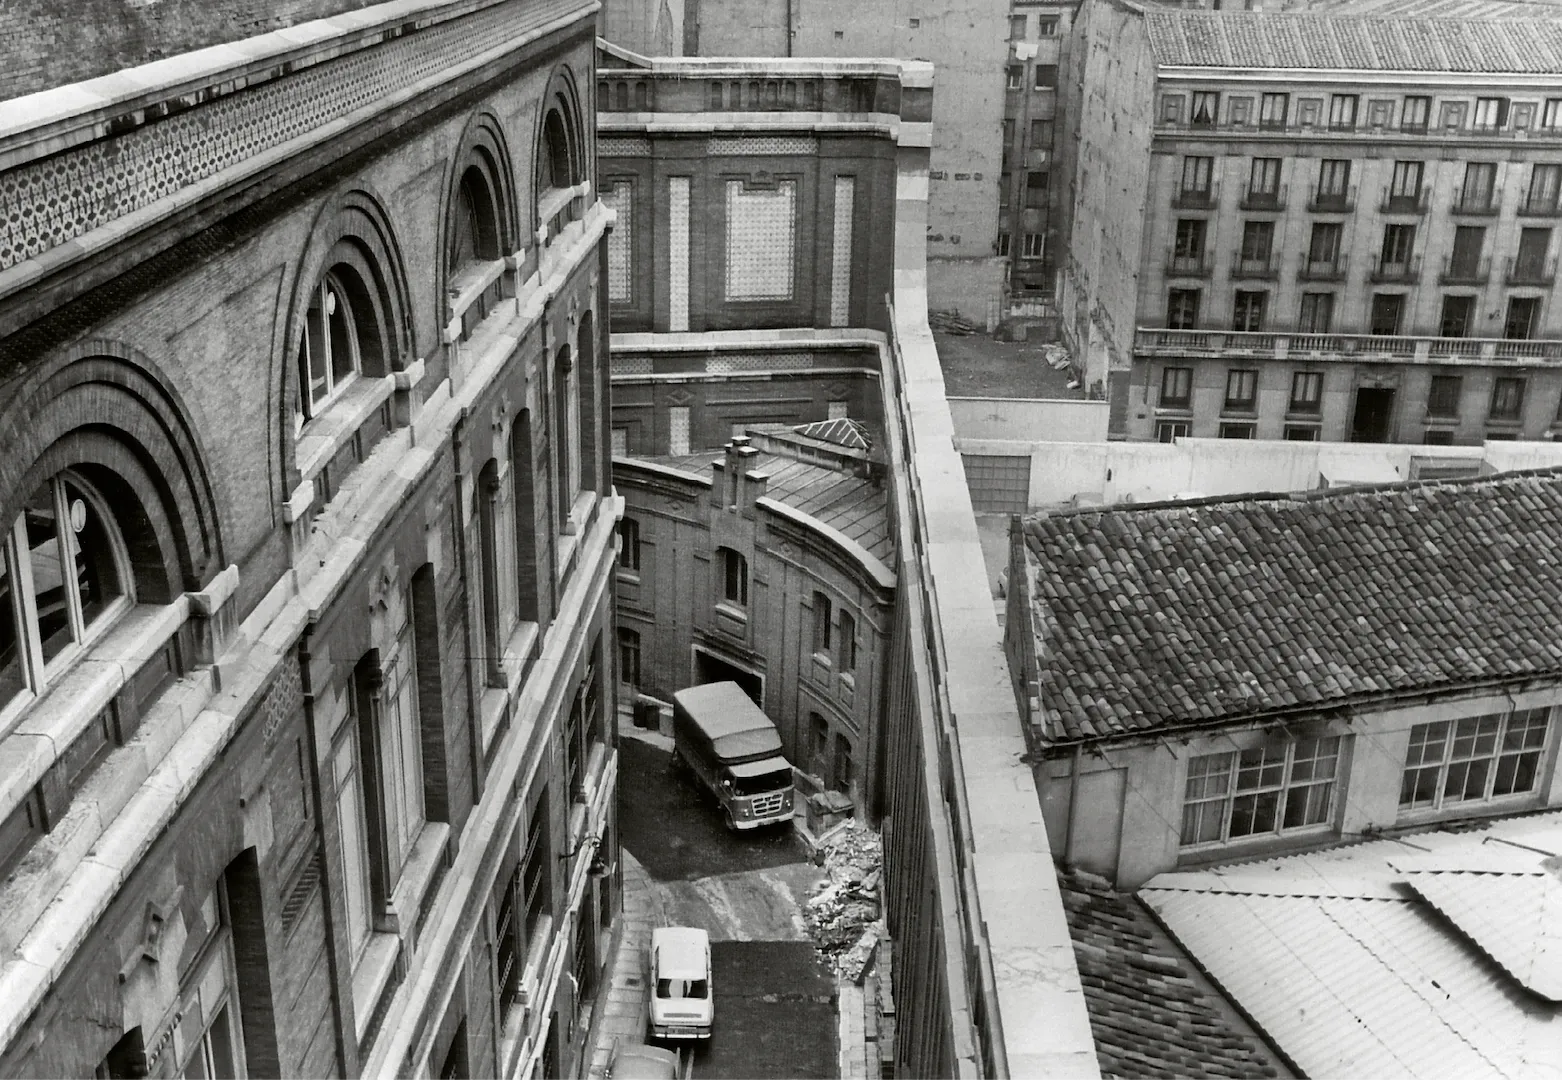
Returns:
(304, 356)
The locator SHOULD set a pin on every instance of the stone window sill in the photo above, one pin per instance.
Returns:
(422, 867)
(324, 436)
(370, 978)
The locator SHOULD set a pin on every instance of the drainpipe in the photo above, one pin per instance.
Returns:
(1073, 800)
(789, 27)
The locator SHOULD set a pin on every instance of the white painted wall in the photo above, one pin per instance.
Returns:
(1029, 420)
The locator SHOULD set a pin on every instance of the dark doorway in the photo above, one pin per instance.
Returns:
(1374, 414)
(709, 669)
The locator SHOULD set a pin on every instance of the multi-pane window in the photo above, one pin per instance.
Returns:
(401, 752)
(1386, 311)
(1301, 432)
(1241, 388)
(1036, 190)
(1522, 317)
(536, 874)
(1004, 240)
(1258, 239)
(1458, 313)
(209, 1043)
(848, 642)
(1306, 391)
(1176, 385)
(1491, 113)
(1473, 759)
(1342, 111)
(1034, 246)
(1263, 179)
(1268, 790)
(1206, 108)
(1169, 431)
(1016, 76)
(1046, 76)
(734, 576)
(1247, 310)
(1046, 27)
(629, 656)
(1196, 174)
(1237, 431)
(1480, 185)
(1405, 185)
(63, 573)
(1416, 113)
(352, 835)
(1551, 114)
(1182, 309)
(1442, 399)
(328, 357)
(1399, 241)
(1272, 110)
(1507, 398)
(1333, 179)
(822, 624)
(1323, 247)
(1545, 187)
(1188, 244)
(1317, 313)
(629, 544)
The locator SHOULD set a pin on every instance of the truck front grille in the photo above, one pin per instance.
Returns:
(766, 805)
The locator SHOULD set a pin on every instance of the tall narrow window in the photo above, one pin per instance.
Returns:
(845, 774)
(1241, 388)
(209, 1044)
(1247, 310)
(1257, 242)
(352, 834)
(1399, 242)
(487, 495)
(536, 868)
(1545, 188)
(1263, 182)
(1386, 312)
(1442, 399)
(1182, 309)
(1415, 114)
(629, 545)
(1507, 398)
(1206, 108)
(1480, 186)
(1176, 386)
(1272, 110)
(401, 749)
(848, 641)
(529, 533)
(1306, 391)
(1317, 313)
(629, 656)
(734, 576)
(822, 624)
(1197, 173)
(1404, 192)
(818, 744)
(1342, 111)
(566, 428)
(1522, 317)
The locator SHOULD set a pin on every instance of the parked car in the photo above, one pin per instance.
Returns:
(682, 1001)
(637, 1061)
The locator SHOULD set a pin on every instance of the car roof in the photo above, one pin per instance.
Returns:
(637, 1061)
(682, 951)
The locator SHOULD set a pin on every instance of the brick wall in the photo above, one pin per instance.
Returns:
(51, 43)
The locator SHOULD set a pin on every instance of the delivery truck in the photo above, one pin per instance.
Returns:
(734, 750)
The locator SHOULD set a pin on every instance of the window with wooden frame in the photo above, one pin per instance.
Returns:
(1279, 786)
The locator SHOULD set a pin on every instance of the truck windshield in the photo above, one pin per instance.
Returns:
(758, 785)
(681, 988)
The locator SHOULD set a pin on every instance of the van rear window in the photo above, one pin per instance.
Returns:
(682, 988)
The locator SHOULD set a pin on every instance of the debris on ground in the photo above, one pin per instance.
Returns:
(842, 915)
(951, 322)
(1057, 357)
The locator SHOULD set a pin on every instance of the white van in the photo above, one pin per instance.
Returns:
(682, 1000)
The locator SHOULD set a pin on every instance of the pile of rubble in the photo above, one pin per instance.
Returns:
(951, 322)
(843, 916)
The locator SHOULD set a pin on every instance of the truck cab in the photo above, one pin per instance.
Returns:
(734, 750)
(682, 1002)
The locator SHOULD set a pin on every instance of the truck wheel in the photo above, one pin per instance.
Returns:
(732, 825)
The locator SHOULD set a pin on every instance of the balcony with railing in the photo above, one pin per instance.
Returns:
(1189, 266)
(1330, 269)
(1158, 342)
(1481, 202)
(1264, 201)
(1405, 271)
(1464, 271)
(1254, 267)
(1205, 198)
(1521, 270)
(1542, 204)
(1323, 201)
(1416, 203)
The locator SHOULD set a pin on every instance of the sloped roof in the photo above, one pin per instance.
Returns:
(1174, 616)
(1350, 972)
(1513, 915)
(1353, 42)
(842, 432)
(1148, 1015)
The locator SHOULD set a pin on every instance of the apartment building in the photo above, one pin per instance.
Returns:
(1027, 193)
(306, 622)
(1349, 226)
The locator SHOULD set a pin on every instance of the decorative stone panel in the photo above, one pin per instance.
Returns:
(761, 226)
(841, 253)
(767, 361)
(618, 196)
(678, 253)
(612, 146)
(746, 145)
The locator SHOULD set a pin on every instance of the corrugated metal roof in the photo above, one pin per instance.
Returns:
(1515, 918)
(1351, 973)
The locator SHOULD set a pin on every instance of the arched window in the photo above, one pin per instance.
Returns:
(559, 168)
(63, 575)
(474, 224)
(328, 351)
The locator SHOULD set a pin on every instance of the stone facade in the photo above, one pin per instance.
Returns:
(312, 774)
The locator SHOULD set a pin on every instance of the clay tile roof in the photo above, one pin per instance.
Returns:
(1354, 42)
(1148, 1015)
(1172, 616)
